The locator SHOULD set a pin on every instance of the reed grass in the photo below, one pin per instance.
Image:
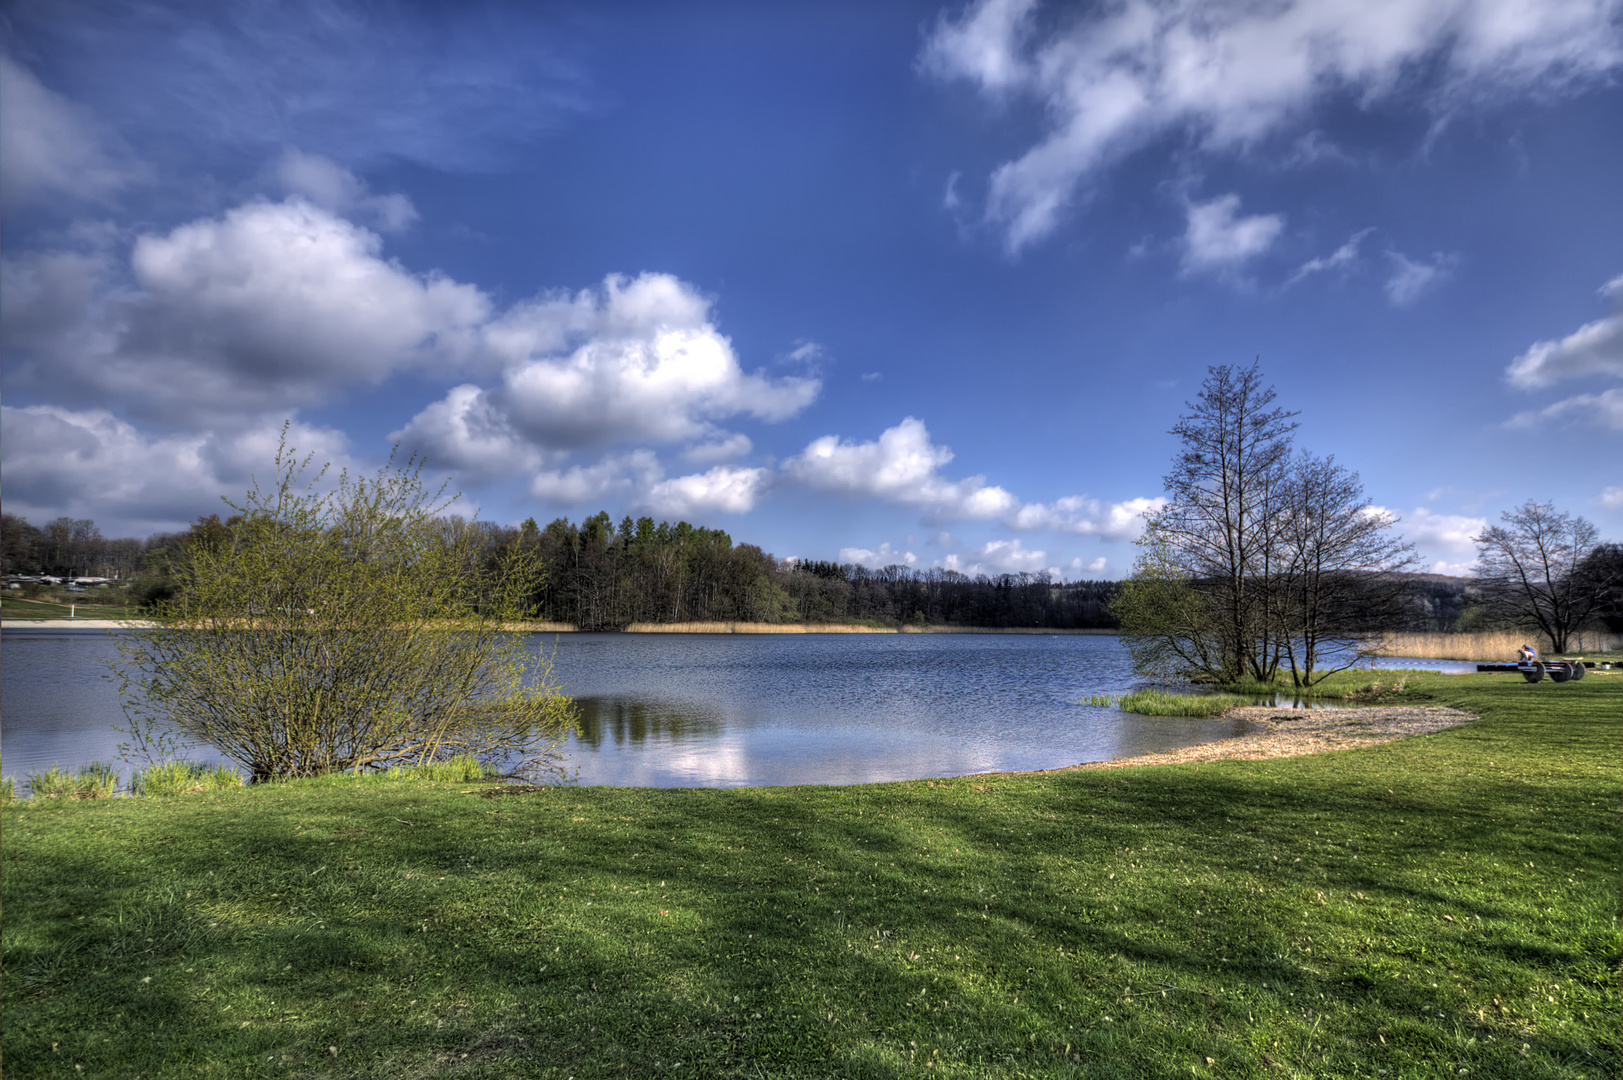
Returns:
(1490, 646)
(97, 780)
(167, 779)
(1161, 703)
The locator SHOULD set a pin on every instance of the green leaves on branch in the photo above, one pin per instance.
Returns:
(331, 627)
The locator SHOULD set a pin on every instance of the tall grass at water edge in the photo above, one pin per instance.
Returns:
(1490, 646)
(169, 779)
(1162, 703)
(97, 780)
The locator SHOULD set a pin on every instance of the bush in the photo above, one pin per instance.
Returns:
(347, 631)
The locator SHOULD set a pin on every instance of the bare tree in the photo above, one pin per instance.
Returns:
(1220, 527)
(1529, 570)
(1339, 571)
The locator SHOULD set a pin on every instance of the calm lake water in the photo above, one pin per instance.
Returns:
(693, 710)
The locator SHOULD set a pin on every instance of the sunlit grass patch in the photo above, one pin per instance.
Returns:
(171, 778)
(97, 780)
(1163, 703)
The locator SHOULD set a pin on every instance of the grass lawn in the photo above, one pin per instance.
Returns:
(18, 608)
(1442, 907)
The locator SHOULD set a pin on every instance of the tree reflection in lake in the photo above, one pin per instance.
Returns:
(635, 720)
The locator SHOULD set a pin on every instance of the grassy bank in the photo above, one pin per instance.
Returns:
(1443, 906)
(17, 608)
(1490, 647)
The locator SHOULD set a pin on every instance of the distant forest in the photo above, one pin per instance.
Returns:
(605, 577)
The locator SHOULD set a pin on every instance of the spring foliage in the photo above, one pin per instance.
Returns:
(343, 627)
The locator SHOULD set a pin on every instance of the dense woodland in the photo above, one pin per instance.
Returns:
(602, 576)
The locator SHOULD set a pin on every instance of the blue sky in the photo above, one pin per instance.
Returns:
(890, 283)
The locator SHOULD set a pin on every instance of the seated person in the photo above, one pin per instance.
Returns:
(1527, 655)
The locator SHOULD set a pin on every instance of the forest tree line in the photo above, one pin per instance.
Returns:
(603, 576)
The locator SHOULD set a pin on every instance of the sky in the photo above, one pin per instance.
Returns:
(891, 283)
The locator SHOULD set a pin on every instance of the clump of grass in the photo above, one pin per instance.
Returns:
(461, 769)
(1161, 703)
(170, 778)
(98, 780)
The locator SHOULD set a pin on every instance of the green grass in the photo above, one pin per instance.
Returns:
(16, 608)
(166, 779)
(1161, 703)
(1444, 906)
(98, 780)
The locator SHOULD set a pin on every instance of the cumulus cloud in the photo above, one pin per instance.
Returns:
(613, 477)
(1410, 280)
(720, 446)
(88, 463)
(334, 188)
(1612, 498)
(1235, 74)
(270, 307)
(722, 489)
(899, 467)
(1593, 349)
(53, 147)
(1445, 539)
(1217, 238)
(1097, 566)
(638, 359)
(875, 560)
(1083, 516)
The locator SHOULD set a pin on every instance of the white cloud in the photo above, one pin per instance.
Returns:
(337, 190)
(1410, 280)
(1011, 557)
(600, 481)
(637, 360)
(91, 464)
(875, 560)
(898, 467)
(983, 46)
(724, 489)
(1612, 498)
(1093, 568)
(1234, 73)
(1446, 539)
(53, 147)
(464, 433)
(1217, 238)
(1083, 516)
(273, 306)
(1602, 410)
(1593, 349)
(720, 446)
(1343, 258)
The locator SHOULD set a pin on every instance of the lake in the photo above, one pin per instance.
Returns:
(725, 710)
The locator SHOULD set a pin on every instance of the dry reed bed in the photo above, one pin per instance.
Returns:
(1496, 646)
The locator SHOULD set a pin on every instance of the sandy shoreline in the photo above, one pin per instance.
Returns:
(1296, 732)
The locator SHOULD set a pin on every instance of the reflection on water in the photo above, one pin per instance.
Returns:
(676, 710)
(640, 720)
